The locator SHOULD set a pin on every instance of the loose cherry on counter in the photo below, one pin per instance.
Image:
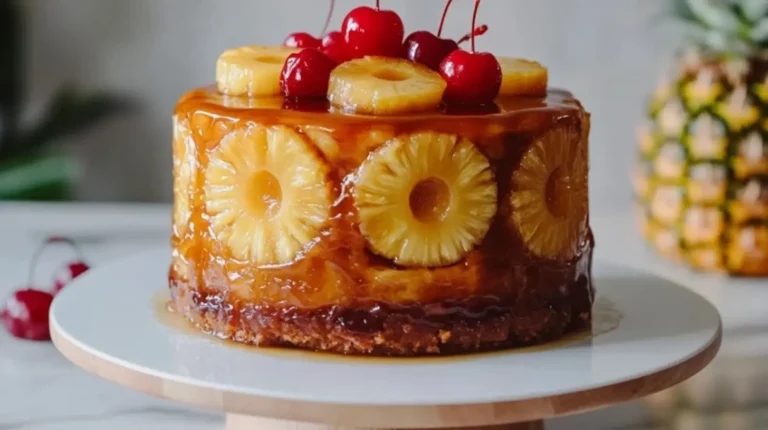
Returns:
(369, 31)
(25, 314)
(472, 77)
(306, 74)
(335, 47)
(67, 274)
(69, 271)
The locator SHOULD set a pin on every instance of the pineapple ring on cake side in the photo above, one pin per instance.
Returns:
(549, 193)
(184, 157)
(425, 199)
(267, 194)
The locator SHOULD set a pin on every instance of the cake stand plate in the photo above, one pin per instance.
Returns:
(108, 323)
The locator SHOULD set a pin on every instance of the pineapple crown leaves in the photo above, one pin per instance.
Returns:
(726, 26)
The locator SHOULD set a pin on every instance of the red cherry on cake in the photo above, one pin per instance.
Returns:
(472, 77)
(306, 40)
(306, 74)
(25, 314)
(426, 48)
(67, 274)
(369, 31)
(430, 49)
(301, 40)
(334, 46)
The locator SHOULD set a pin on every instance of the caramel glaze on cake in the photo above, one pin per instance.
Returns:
(527, 281)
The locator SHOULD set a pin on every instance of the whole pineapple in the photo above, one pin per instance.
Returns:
(702, 175)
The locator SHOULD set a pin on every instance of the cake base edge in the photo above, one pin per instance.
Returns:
(380, 330)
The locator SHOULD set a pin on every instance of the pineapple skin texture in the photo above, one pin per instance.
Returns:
(701, 179)
(333, 263)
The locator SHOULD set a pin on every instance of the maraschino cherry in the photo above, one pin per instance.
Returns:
(306, 40)
(301, 40)
(472, 77)
(335, 47)
(306, 74)
(25, 314)
(68, 272)
(369, 31)
(430, 49)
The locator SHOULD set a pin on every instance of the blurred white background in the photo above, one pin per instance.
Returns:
(608, 52)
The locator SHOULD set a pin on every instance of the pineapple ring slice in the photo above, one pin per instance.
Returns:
(522, 77)
(549, 194)
(425, 199)
(251, 70)
(184, 159)
(267, 194)
(384, 86)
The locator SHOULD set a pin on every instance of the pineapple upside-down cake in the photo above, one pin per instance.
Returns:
(354, 199)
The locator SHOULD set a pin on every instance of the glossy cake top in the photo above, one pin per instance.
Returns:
(556, 102)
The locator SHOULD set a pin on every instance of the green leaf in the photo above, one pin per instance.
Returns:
(69, 113)
(759, 33)
(754, 10)
(38, 177)
(715, 14)
(680, 9)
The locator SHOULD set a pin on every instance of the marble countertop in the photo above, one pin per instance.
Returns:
(40, 390)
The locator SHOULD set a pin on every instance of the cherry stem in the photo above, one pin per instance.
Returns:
(479, 31)
(474, 20)
(378, 6)
(442, 19)
(39, 252)
(328, 19)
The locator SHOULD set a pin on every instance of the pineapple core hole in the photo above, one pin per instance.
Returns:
(556, 194)
(264, 194)
(390, 75)
(271, 59)
(430, 200)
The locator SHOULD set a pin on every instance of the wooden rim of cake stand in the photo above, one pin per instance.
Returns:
(78, 338)
(284, 415)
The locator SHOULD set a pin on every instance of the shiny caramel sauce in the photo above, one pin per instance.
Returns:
(606, 318)
(529, 110)
(337, 281)
(340, 254)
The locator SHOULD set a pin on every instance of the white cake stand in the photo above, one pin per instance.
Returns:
(107, 323)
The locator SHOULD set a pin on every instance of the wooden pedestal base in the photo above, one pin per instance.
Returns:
(246, 422)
